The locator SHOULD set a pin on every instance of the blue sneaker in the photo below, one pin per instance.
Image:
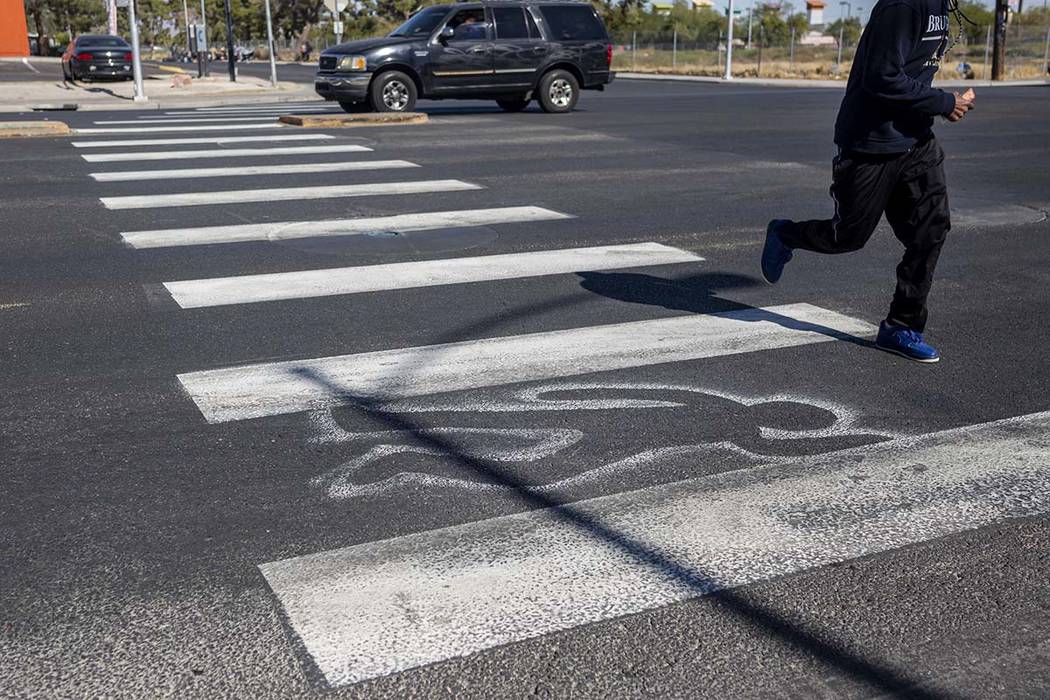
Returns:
(905, 342)
(775, 255)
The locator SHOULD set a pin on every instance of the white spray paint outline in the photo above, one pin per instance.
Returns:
(338, 485)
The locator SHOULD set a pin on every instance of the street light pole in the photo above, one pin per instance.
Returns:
(186, 21)
(202, 48)
(269, 38)
(842, 27)
(729, 44)
(338, 25)
(750, 10)
(229, 43)
(136, 53)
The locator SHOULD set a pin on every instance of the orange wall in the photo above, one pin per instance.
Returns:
(14, 38)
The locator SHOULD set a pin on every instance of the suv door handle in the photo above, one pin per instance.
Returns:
(540, 49)
(480, 49)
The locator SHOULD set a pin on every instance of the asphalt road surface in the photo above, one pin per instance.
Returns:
(497, 406)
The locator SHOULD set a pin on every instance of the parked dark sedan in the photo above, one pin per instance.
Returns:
(97, 56)
(510, 51)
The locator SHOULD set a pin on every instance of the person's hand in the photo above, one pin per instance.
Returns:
(963, 104)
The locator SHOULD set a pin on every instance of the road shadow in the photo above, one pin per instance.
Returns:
(699, 294)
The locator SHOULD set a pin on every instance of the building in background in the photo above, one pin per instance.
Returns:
(815, 13)
(14, 34)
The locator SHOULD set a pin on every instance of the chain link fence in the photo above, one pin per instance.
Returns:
(815, 55)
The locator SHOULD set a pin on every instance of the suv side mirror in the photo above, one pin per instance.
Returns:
(446, 34)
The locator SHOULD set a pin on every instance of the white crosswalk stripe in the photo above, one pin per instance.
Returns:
(383, 607)
(160, 129)
(287, 169)
(205, 139)
(222, 153)
(195, 199)
(305, 284)
(283, 230)
(268, 389)
(189, 120)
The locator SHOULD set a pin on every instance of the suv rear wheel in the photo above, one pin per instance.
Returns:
(558, 91)
(512, 104)
(393, 92)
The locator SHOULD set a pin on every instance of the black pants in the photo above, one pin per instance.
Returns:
(910, 189)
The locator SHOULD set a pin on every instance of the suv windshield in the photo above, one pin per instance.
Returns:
(422, 23)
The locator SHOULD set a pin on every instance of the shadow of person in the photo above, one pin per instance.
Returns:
(699, 294)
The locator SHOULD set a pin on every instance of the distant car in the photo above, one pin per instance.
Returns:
(510, 51)
(93, 56)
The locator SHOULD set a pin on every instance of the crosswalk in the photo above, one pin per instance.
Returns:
(383, 607)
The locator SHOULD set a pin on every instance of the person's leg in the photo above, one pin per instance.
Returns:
(861, 188)
(918, 213)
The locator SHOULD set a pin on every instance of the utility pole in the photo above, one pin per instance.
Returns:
(269, 38)
(1002, 10)
(729, 44)
(791, 56)
(230, 58)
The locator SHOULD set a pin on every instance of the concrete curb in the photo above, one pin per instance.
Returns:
(811, 83)
(353, 120)
(15, 130)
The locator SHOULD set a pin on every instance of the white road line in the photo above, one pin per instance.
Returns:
(382, 607)
(177, 120)
(206, 139)
(304, 284)
(266, 107)
(292, 110)
(267, 389)
(221, 153)
(282, 230)
(285, 169)
(194, 199)
(159, 129)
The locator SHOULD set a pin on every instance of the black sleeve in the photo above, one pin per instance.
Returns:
(895, 29)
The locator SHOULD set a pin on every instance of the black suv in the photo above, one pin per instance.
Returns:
(506, 50)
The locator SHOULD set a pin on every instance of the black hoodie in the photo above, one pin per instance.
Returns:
(889, 104)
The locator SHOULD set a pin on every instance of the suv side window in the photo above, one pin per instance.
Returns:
(468, 25)
(572, 22)
(510, 23)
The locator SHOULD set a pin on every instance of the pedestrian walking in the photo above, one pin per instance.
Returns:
(889, 162)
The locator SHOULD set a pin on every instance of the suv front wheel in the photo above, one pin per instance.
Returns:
(392, 91)
(558, 91)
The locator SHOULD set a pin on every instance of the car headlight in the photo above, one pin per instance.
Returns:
(351, 63)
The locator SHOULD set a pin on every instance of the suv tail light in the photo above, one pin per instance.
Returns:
(608, 54)
(84, 57)
(128, 56)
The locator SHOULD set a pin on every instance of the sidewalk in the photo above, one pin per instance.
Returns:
(804, 83)
(160, 88)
